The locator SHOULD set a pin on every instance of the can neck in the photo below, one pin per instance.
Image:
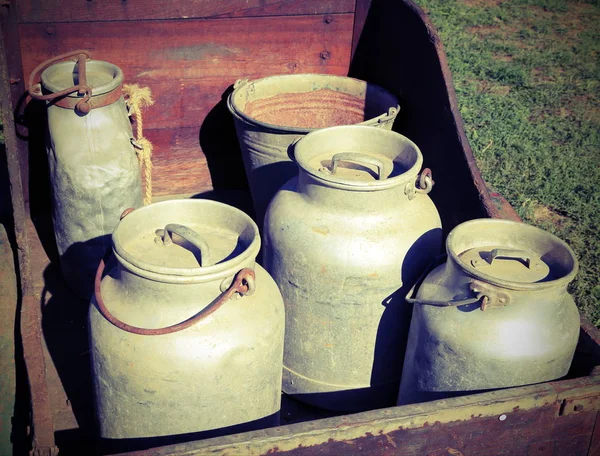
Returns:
(345, 197)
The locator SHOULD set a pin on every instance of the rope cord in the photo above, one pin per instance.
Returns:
(138, 98)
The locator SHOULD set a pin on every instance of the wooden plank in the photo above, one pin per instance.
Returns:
(504, 422)
(179, 164)
(595, 443)
(188, 65)
(127, 10)
(10, 32)
(29, 312)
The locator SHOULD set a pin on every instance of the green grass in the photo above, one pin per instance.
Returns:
(527, 77)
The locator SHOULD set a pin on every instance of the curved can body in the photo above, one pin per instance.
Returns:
(528, 329)
(272, 112)
(224, 370)
(94, 171)
(343, 250)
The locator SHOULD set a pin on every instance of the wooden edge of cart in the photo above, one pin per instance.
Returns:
(389, 43)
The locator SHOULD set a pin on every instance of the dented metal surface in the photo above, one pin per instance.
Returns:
(524, 330)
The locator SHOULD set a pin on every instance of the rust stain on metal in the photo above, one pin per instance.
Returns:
(317, 109)
(320, 230)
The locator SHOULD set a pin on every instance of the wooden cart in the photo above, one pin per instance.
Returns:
(189, 53)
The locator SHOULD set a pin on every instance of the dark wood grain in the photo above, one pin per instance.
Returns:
(127, 10)
(180, 166)
(10, 34)
(533, 433)
(595, 443)
(189, 65)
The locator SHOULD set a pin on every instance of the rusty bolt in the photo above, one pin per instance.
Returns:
(325, 55)
(14, 81)
(328, 19)
(578, 408)
(50, 30)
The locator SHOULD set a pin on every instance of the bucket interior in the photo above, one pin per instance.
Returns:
(312, 101)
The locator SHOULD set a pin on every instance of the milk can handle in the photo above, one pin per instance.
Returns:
(483, 294)
(243, 283)
(512, 254)
(35, 90)
(357, 157)
(164, 237)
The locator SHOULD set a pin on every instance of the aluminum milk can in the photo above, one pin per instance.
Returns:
(496, 314)
(344, 241)
(94, 171)
(186, 330)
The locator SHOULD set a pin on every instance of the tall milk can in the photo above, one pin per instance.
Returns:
(94, 172)
(496, 314)
(344, 241)
(186, 329)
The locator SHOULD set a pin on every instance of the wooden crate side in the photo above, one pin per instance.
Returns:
(399, 50)
(127, 10)
(16, 84)
(29, 315)
(189, 66)
(524, 419)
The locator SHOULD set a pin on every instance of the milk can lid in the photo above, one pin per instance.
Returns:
(186, 238)
(358, 157)
(507, 264)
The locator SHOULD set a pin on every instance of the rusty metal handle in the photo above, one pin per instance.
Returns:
(35, 90)
(448, 303)
(243, 283)
(357, 157)
(426, 181)
(164, 237)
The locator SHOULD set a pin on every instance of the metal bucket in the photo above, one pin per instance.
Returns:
(186, 330)
(496, 314)
(345, 241)
(272, 112)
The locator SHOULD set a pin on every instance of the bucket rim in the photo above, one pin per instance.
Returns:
(169, 274)
(242, 84)
(302, 161)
